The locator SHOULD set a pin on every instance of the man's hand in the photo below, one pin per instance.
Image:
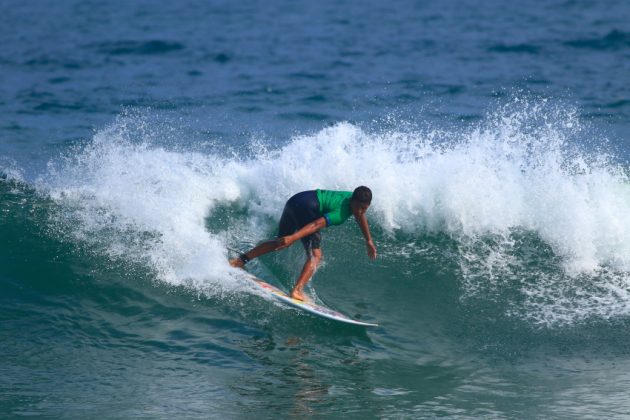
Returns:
(371, 250)
(284, 241)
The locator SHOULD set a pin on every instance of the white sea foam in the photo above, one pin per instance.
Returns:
(146, 204)
(520, 168)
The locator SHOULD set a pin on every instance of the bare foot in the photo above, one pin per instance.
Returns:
(237, 262)
(299, 295)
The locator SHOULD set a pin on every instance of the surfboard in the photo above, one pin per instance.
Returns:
(311, 308)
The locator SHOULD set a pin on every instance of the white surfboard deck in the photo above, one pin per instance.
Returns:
(311, 308)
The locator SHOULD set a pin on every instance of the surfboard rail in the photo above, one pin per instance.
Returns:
(309, 307)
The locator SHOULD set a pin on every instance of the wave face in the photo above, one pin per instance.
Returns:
(534, 216)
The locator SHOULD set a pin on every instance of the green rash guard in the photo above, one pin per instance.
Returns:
(334, 206)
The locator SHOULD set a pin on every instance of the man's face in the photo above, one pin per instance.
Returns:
(358, 209)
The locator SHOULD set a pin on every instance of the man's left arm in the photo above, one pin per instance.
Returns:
(365, 229)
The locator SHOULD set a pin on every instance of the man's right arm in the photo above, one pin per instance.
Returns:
(308, 229)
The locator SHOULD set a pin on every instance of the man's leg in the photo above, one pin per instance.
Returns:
(287, 225)
(313, 259)
(256, 252)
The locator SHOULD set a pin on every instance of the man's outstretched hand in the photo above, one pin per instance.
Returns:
(371, 250)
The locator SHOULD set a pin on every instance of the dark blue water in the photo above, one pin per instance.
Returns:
(139, 141)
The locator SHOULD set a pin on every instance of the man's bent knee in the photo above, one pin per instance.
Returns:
(316, 255)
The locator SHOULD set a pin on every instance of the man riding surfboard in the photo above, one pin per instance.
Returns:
(304, 215)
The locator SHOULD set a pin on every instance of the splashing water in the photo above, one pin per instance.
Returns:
(524, 185)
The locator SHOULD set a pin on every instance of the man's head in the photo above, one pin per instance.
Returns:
(360, 201)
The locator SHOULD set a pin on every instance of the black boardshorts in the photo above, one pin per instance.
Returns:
(299, 211)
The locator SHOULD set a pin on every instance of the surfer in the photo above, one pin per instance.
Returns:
(304, 215)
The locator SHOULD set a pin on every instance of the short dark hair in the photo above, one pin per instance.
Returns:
(362, 195)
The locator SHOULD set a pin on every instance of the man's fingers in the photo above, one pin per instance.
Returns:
(283, 242)
(371, 251)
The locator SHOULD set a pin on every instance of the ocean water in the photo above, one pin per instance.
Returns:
(140, 142)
